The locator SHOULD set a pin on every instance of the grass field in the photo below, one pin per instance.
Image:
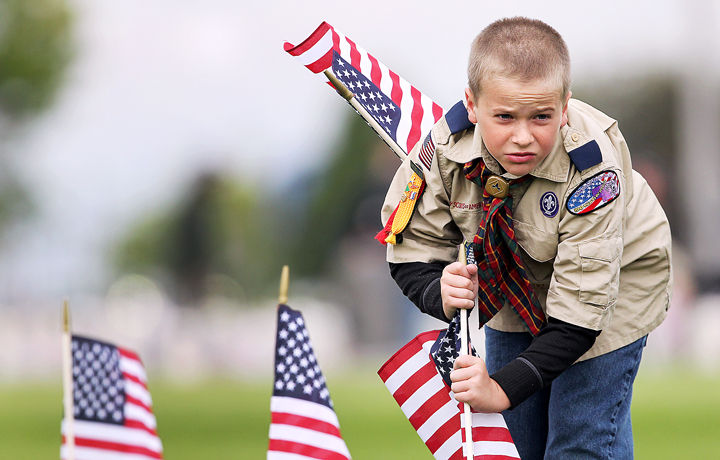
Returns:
(676, 416)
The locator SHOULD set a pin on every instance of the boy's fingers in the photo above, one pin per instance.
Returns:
(456, 268)
(458, 281)
(459, 387)
(456, 302)
(464, 361)
(473, 272)
(459, 293)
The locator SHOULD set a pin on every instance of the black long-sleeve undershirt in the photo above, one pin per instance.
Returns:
(558, 345)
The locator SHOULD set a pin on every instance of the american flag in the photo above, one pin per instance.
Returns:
(303, 423)
(418, 376)
(594, 193)
(401, 109)
(113, 418)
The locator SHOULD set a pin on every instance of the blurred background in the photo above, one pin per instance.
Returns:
(160, 162)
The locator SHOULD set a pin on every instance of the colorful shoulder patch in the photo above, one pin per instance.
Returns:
(594, 193)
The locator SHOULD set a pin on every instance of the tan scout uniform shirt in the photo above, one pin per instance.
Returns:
(606, 270)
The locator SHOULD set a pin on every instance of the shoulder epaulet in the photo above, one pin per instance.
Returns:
(586, 156)
(457, 118)
(583, 150)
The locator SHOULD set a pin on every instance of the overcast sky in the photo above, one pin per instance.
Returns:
(161, 90)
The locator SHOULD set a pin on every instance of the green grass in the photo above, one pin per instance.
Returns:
(676, 415)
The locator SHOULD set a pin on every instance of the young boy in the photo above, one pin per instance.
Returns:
(572, 247)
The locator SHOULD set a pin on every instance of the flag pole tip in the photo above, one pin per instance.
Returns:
(462, 256)
(66, 316)
(284, 283)
(339, 86)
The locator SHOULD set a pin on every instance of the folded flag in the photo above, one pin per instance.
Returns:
(402, 110)
(418, 377)
(113, 417)
(303, 423)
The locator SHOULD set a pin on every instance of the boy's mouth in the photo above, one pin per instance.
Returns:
(520, 157)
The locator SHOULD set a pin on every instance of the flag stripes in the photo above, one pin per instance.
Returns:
(85, 446)
(427, 152)
(280, 418)
(413, 379)
(285, 449)
(96, 453)
(104, 372)
(298, 438)
(303, 427)
(91, 432)
(418, 111)
(303, 424)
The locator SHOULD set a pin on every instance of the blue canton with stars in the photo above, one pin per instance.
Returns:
(297, 373)
(98, 384)
(378, 105)
(445, 349)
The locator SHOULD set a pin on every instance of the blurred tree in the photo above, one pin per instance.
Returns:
(333, 200)
(35, 48)
(229, 239)
(219, 240)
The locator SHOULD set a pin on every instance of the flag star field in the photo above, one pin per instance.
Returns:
(297, 373)
(98, 393)
(379, 106)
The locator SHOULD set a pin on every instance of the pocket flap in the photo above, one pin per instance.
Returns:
(538, 244)
(604, 249)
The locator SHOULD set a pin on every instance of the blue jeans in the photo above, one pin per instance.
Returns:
(583, 414)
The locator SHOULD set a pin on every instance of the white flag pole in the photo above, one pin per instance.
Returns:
(68, 385)
(465, 350)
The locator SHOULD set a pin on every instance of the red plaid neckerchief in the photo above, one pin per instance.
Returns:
(498, 257)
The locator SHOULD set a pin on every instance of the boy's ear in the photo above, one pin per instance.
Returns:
(565, 108)
(470, 105)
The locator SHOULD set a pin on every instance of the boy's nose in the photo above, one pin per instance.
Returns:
(522, 135)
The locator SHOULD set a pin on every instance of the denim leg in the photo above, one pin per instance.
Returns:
(589, 407)
(528, 423)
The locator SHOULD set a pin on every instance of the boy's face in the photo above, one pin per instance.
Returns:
(519, 121)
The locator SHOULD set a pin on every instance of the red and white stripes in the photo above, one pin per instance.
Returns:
(419, 112)
(412, 378)
(304, 429)
(137, 438)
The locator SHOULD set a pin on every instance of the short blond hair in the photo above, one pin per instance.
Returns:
(522, 48)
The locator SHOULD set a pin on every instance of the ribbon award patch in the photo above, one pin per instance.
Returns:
(594, 193)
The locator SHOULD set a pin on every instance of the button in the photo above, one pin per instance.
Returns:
(575, 137)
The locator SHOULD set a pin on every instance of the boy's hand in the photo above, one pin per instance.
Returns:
(472, 385)
(458, 287)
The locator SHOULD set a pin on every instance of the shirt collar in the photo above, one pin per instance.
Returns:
(554, 167)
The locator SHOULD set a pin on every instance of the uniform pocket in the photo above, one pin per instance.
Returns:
(467, 218)
(538, 244)
(600, 265)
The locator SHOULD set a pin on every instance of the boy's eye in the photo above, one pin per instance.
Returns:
(543, 116)
(504, 116)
